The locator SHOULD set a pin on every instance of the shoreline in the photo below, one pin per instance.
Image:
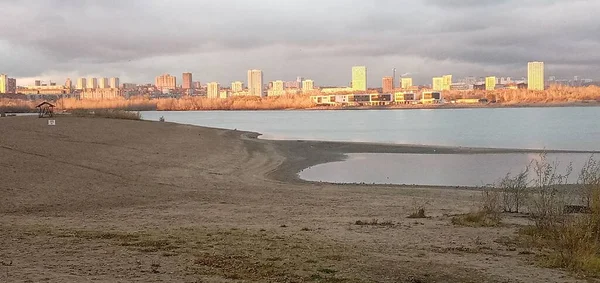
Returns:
(303, 154)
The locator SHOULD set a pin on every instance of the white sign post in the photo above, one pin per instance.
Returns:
(51, 122)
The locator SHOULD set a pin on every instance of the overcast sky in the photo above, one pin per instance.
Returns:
(319, 39)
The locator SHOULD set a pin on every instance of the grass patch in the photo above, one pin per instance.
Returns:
(476, 219)
(374, 222)
(107, 113)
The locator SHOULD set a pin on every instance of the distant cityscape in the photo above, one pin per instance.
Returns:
(166, 85)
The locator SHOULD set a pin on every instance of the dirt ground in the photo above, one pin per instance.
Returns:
(102, 200)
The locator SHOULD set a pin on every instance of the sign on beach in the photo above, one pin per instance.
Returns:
(51, 122)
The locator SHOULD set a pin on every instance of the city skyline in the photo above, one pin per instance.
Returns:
(322, 46)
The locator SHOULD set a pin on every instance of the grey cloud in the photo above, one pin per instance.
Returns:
(215, 39)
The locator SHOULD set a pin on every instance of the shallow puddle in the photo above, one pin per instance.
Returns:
(435, 169)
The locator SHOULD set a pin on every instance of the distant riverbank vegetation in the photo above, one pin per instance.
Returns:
(555, 94)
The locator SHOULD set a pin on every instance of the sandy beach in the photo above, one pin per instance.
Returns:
(103, 200)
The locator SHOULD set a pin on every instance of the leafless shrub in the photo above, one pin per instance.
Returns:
(514, 191)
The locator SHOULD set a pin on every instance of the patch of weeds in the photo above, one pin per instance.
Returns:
(327, 270)
(476, 219)
(374, 222)
(420, 213)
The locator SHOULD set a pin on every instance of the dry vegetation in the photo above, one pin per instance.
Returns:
(565, 218)
(16, 105)
(107, 113)
(236, 103)
(555, 94)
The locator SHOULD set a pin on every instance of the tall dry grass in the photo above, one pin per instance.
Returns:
(16, 105)
(136, 104)
(236, 103)
(554, 94)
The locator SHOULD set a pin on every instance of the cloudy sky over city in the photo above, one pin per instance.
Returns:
(319, 39)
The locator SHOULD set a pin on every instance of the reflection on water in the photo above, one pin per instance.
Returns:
(433, 169)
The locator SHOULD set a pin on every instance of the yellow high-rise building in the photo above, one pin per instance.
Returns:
(535, 76)
(308, 85)
(3, 83)
(255, 83)
(103, 83)
(407, 83)
(438, 84)
(213, 90)
(115, 83)
(447, 82)
(359, 78)
(81, 83)
(278, 88)
(91, 83)
(490, 83)
(237, 86)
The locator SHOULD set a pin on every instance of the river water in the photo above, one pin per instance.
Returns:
(552, 128)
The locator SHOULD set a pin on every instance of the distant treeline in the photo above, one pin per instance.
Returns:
(555, 94)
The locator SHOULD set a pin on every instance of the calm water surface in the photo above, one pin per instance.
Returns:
(568, 128)
(434, 169)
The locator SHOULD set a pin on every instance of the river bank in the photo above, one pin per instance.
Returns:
(117, 200)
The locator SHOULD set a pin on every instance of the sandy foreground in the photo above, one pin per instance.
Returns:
(101, 200)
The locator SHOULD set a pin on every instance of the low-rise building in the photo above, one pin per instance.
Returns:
(431, 97)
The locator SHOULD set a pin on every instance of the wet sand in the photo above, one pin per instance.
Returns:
(136, 201)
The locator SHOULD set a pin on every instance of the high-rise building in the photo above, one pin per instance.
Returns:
(187, 81)
(213, 90)
(237, 86)
(11, 86)
(165, 82)
(3, 83)
(278, 88)
(91, 83)
(255, 83)
(115, 83)
(103, 83)
(387, 84)
(438, 84)
(81, 83)
(490, 83)
(37, 83)
(69, 83)
(407, 83)
(447, 82)
(197, 85)
(308, 85)
(359, 78)
(535, 76)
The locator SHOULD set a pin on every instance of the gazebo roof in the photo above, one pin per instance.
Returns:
(45, 103)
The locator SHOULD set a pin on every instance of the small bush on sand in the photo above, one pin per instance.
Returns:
(418, 210)
(419, 213)
(489, 213)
